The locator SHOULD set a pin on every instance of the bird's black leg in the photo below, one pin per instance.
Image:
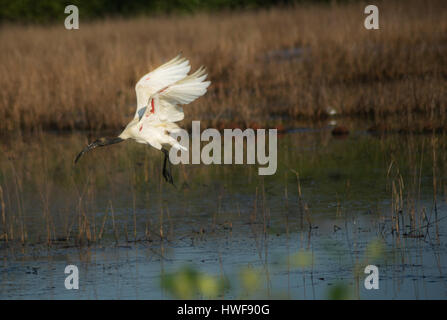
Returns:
(167, 168)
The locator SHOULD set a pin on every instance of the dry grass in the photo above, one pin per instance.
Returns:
(51, 78)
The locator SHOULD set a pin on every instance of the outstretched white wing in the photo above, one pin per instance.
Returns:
(165, 104)
(162, 77)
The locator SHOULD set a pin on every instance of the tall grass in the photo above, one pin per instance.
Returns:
(279, 63)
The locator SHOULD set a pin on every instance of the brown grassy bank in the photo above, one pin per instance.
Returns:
(51, 78)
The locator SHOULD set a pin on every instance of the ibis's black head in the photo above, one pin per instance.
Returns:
(101, 142)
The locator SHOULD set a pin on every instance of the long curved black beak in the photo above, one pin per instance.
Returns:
(102, 142)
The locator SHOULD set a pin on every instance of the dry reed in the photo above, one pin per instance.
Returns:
(279, 63)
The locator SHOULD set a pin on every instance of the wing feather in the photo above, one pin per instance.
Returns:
(163, 76)
(168, 99)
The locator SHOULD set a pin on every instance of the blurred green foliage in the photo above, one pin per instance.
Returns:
(189, 283)
(251, 280)
(340, 291)
(47, 11)
(375, 251)
(301, 259)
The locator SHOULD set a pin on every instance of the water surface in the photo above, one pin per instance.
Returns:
(334, 206)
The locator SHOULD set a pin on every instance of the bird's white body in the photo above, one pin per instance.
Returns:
(160, 96)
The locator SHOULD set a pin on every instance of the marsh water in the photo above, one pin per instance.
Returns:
(334, 206)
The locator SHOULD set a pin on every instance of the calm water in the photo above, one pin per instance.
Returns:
(334, 206)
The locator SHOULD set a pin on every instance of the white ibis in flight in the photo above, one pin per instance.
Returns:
(160, 96)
